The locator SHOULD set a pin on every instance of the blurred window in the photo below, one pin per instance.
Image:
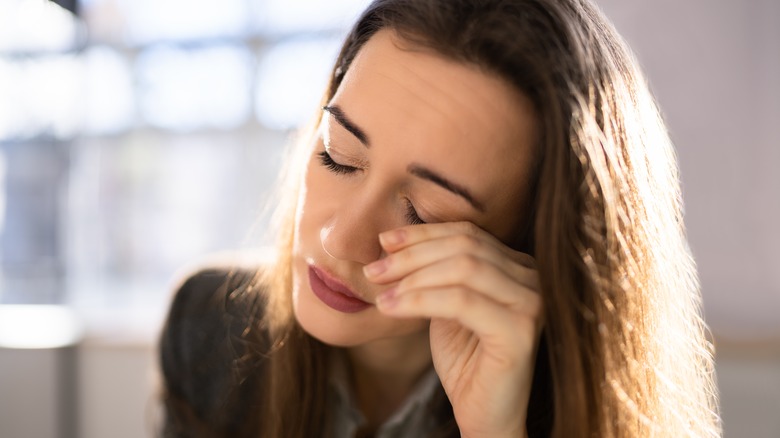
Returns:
(288, 90)
(142, 134)
(188, 89)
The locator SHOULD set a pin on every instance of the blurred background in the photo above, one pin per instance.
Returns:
(138, 136)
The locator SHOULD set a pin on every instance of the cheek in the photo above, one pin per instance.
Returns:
(323, 194)
(321, 187)
(311, 208)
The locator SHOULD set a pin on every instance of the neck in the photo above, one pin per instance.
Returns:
(384, 372)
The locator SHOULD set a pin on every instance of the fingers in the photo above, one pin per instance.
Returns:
(475, 256)
(456, 271)
(417, 255)
(400, 238)
(464, 269)
(488, 319)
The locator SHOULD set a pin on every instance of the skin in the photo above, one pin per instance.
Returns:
(449, 293)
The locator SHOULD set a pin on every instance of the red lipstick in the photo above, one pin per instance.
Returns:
(334, 293)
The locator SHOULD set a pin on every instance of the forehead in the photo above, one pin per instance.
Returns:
(450, 115)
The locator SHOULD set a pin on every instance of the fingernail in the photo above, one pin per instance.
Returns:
(392, 238)
(388, 299)
(375, 268)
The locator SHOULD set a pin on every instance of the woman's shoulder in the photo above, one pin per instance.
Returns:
(204, 341)
(206, 293)
(216, 272)
(213, 295)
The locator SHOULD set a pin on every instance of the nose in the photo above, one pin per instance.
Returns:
(352, 233)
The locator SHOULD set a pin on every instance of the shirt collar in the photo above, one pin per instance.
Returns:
(348, 417)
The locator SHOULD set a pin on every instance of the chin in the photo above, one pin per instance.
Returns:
(325, 324)
(334, 338)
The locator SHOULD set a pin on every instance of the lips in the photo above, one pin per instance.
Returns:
(333, 293)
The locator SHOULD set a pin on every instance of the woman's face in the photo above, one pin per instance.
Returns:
(409, 136)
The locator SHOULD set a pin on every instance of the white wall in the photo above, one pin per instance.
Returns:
(118, 389)
(749, 380)
(714, 66)
(715, 69)
(29, 393)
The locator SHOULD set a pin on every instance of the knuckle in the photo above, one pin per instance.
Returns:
(525, 260)
(461, 299)
(414, 298)
(468, 228)
(525, 325)
(407, 283)
(467, 265)
(536, 283)
(535, 305)
(467, 242)
(528, 277)
(400, 257)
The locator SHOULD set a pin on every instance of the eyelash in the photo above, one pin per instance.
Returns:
(327, 161)
(411, 214)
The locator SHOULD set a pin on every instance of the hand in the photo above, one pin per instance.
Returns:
(486, 317)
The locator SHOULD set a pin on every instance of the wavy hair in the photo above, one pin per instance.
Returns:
(624, 350)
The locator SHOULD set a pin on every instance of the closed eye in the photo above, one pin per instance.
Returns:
(327, 161)
(411, 214)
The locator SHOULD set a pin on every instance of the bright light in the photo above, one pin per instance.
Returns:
(188, 89)
(293, 16)
(41, 95)
(3, 170)
(291, 80)
(151, 21)
(110, 105)
(36, 25)
(38, 326)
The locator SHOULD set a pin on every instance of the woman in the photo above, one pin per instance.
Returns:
(482, 238)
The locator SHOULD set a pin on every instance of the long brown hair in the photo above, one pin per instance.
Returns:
(624, 350)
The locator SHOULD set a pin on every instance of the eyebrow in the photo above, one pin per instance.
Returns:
(344, 121)
(427, 174)
(414, 169)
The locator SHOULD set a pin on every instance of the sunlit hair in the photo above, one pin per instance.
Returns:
(624, 352)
